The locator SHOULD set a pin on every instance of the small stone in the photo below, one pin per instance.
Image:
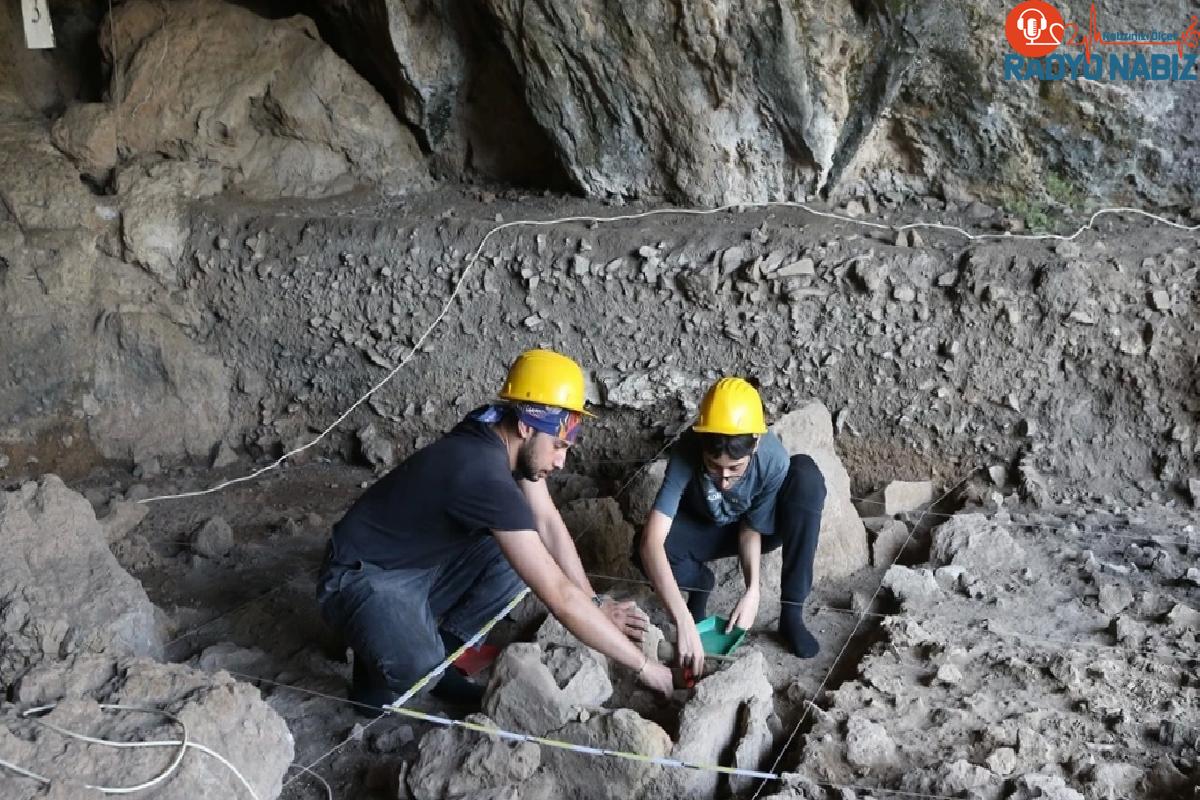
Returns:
(1115, 598)
(1002, 761)
(904, 293)
(902, 239)
(902, 496)
(854, 209)
(804, 266)
(1027, 428)
(947, 278)
(868, 744)
(1183, 617)
(911, 585)
(949, 674)
(914, 238)
(1194, 491)
(1161, 300)
(999, 474)
(213, 539)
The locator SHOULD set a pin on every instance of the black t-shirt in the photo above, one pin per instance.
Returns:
(430, 508)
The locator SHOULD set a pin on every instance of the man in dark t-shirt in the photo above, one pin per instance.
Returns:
(438, 546)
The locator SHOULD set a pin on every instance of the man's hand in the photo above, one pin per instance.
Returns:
(689, 650)
(657, 676)
(629, 619)
(745, 612)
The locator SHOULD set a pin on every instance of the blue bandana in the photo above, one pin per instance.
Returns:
(561, 423)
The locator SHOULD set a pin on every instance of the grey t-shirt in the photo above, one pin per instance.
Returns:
(687, 485)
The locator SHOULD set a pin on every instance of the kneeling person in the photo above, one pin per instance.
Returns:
(439, 545)
(731, 489)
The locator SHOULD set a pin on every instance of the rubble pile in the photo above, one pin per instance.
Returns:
(1037, 655)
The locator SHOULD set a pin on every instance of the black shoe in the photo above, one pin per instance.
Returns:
(791, 624)
(455, 689)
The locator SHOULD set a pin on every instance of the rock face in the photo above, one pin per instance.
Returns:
(265, 100)
(763, 90)
(718, 102)
(61, 590)
(220, 713)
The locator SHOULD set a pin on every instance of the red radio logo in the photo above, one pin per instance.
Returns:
(1034, 28)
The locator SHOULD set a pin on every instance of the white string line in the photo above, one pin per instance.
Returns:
(568, 746)
(474, 257)
(837, 659)
(433, 673)
(183, 744)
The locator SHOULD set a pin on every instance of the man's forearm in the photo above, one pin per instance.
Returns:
(557, 538)
(750, 555)
(658, 569)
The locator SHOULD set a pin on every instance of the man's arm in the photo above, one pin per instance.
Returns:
(557, 539)
(566, 601)
(689, 649)
(750, 557)
(554, 534)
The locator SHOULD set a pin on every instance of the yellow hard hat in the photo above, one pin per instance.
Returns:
(545, 377)
(732, 406)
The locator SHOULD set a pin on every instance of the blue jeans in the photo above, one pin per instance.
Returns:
(693, 541)
(391, 617)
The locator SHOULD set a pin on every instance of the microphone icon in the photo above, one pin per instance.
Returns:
(1031, 24)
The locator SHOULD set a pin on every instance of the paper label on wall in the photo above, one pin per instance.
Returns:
(39, 32)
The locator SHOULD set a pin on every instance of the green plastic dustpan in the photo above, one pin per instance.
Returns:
(716, 642)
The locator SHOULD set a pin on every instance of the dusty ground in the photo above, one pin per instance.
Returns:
(1034, 645)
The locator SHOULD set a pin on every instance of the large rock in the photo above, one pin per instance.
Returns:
(265, 100)
(973, 542)
(154, 218)
(537, 689)
(454, 762)
(607, 778)
(709, 725)
(39, 187)
(220, 713)
(843, 546)
(61, 590)
(602, 536)
(157, 393)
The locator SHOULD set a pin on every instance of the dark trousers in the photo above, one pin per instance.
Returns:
(391, 617)
(693, 541)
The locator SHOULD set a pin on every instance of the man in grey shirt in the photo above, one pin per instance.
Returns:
(731, 489)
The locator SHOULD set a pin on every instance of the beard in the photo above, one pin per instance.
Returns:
(526, 469)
